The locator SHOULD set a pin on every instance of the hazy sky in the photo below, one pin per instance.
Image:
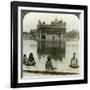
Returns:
(30, 20)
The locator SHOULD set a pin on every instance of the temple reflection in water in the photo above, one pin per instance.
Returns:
(54, 48)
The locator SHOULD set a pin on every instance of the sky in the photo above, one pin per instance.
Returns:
(31, 19)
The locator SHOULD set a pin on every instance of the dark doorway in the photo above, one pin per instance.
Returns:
(43, 37)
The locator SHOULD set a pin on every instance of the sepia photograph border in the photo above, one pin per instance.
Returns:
(14, 44)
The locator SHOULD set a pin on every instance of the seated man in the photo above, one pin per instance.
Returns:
(74, 61)
(31, 60)
(49, 65)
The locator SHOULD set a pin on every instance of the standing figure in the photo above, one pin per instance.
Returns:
(31, 60)
(74, 61)
(49, 65)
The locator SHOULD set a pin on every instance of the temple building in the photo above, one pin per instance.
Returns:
(53, 31)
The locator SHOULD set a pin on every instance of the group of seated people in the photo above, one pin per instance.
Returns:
(30, 61)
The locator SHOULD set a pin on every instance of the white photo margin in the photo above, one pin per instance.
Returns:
(81, 49)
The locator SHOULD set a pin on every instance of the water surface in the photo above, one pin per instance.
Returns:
(61, 53)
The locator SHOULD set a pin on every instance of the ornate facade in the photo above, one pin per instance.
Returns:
(53, 31)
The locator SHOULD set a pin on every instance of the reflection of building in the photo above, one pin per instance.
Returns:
(53, 31)
(54, 48)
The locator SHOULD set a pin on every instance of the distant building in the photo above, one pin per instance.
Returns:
(26, 36)
(53, 31)
(72, 35)
(33, 34)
